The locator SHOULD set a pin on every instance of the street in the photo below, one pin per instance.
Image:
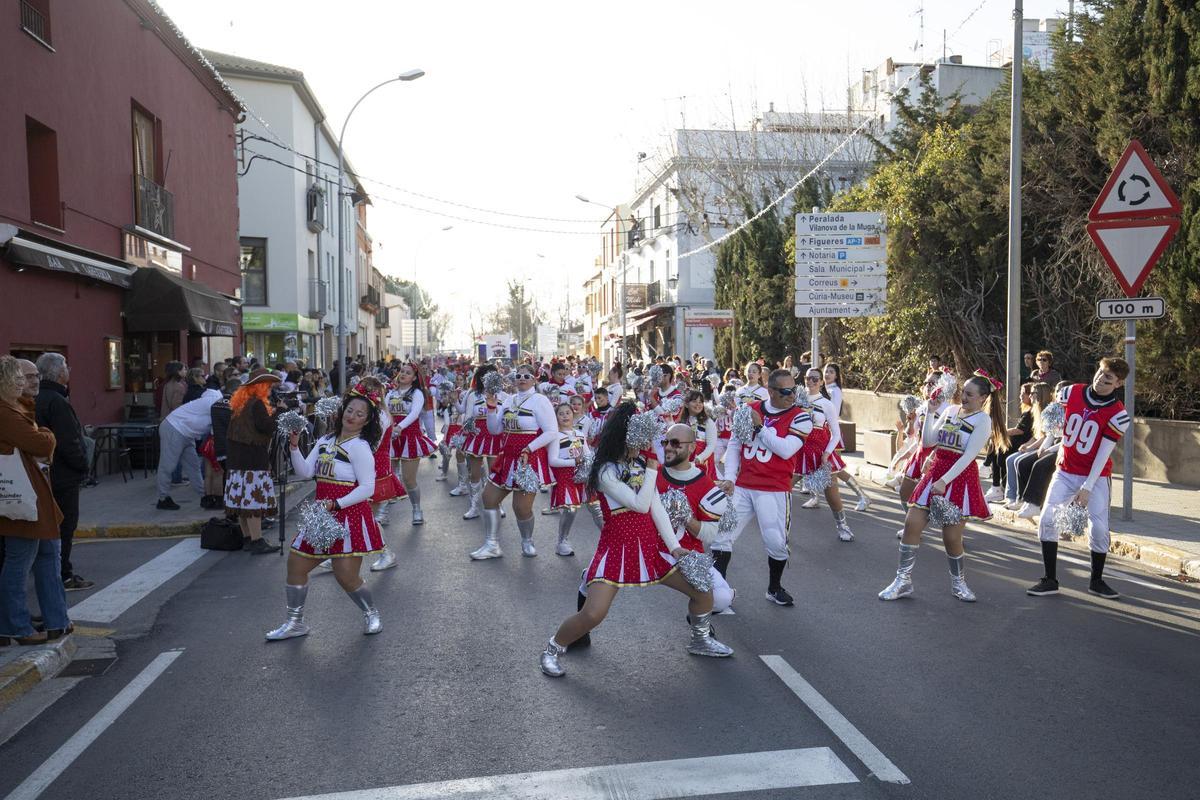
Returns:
(1014, 696)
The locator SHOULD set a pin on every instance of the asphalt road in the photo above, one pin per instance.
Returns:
(1014, 696)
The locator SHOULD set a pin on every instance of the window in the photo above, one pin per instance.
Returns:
(147, 146)
(254, 272)
(35, 19)
(657, 218)
(651, 271)
(41, 150)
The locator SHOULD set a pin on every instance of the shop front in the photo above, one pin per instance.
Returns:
(274, 338)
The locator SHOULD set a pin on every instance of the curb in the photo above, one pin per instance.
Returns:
(1159, 557)
(30, 668)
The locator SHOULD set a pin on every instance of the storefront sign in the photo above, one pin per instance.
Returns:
(272, 321)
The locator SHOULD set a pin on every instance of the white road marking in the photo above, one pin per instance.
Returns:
(651, 780)
(879, 764)
(118, 597)
(33, 786)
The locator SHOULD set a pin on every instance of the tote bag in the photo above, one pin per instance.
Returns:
(18, 500)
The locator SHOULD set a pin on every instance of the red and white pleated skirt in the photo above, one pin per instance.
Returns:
(809, 457)
(412, 443)
(566, 492)
(363, 536)
(629, 553)
(912, 467)
(510, 456)
(387, 485)
(964, 491)
(482, 442)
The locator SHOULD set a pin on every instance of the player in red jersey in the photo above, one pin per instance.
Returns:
(759, 473)
(1095, 420)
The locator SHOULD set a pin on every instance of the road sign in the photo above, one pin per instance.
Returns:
(836, 310)
(840, 241)
(1132, 247)
(806, 281)
(1134, 308)
(846, 223)
(841, 269)
(708, 318)
(1135, 189)
(822, 296)
(850, 254)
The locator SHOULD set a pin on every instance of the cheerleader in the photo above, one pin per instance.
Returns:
(387, 485)
(559, 381)
(481, 445)
(666, 398)
(723, 417)
(695, 414)
(957, 437)
(634, 548)
(819, 450)
(429, 395)
(615, 388)
(344, 467)
(409, 442)
(579, 417)
(753, 389)
(527, 421)
(934, 406)
(833, 387)
(567, 495)
(452, 441)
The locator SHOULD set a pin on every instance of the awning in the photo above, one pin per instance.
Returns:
(645, 315)
(160, 301)
(21, 248)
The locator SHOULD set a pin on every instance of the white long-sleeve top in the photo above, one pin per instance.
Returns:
(615, 392)
(707, 432)
(835, 427)
(404, 409)
(560, 449)
(967, 435)
(349, 462)
(748, 393)
(526, 412)
(822, 412)
(644, 500)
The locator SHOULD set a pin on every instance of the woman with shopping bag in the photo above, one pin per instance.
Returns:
(29, 518)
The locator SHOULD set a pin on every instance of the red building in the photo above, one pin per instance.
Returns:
(118, 198)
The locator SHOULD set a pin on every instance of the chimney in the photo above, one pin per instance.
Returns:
(771, 107)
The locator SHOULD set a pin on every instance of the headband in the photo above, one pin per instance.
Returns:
(362, 391)
(996, 385)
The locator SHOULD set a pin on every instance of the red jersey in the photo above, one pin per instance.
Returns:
(707, 501)
(657, 399)
(1087, 419)
(761, 469)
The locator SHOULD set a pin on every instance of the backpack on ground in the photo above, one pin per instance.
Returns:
(221, 533)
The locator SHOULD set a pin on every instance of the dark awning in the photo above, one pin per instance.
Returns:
(23, 249)
(161, 301)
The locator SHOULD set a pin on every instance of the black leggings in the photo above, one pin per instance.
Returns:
(1041, 470)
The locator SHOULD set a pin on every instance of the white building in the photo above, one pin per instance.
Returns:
(399, 316)
(288, 223)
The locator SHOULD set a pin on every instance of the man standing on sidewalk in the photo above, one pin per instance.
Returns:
(177, 436)
(69, 467)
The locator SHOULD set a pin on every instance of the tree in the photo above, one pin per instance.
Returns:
(421, 304)
(518, 315)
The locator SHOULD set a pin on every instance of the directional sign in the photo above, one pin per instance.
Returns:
(1135, 308)
(841, 269)
(819, 296)
(1135, 189)
(846, 223)
(806, 281)
(852, 254)
(840, 242)
(1131, 247)
(835, 310)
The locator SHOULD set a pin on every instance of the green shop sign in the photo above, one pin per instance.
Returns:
(269, 321)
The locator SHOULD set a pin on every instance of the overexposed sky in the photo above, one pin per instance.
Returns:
(526, 104)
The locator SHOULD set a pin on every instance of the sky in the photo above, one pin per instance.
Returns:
(525, 105)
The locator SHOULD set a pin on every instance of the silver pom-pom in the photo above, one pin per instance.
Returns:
(595, 368)
(728, 522)
(729, 399)
(508, 385)
(696, 569)
(742, 424)
(525, 479)
(554, 393)
(948, 385)
(714, 380)
(672, 405)
(583, 470)
(1071, 519)
(642, 431)
(1053, 418)
(635, 382)
(290, 422)
(329, 407)
(909, 404)
(654, 375)
(678, 508)
(943, 513)
(492, 382)
(319, 527)
(458, 440)
(818, 480)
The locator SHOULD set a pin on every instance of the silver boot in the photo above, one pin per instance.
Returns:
(362, 598)
(491, 536)
(476, 501)
(444, 468)
(386, 560)
(597, 514)
(461, 488)
(565, 521)
(843, 528)
(958, 582)
(550, 659)
(703, 643)
(414, 496)
(902, 586)
(294, 626)
(525, 526)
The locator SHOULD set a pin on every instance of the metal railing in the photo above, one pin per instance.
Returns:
(318, 298)
(34, 22)
(154, 207)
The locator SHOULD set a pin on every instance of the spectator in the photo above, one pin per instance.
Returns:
(1045, 372)
(249, 489)
(70, 466)
(177, 435)
(173, 388)
(1018, 435)
(220, 414)
(194, 385)
(29, 544)
(1030, 364)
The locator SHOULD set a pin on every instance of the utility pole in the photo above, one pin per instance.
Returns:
(1013, 371)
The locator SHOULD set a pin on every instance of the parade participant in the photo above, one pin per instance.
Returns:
(559, 381)
(249, 488)
(584, 384)
(722, 416)
(833, 387)
(615, 389)
(753, 388)
(447, 447)
(429, 396)
(481, 446)
(1094, 421)
(344, 467)
(759, 473)
(579, 416)
(707, 501)
(956, 437)
(633, 546)
(667, 397)
(409, 442)
(819, 451)
(597, 415)
(387, 485)
(567, 495)
(933, 406)
(527, 422)
(696, 416)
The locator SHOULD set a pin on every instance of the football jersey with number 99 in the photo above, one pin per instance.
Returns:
(1088, 419)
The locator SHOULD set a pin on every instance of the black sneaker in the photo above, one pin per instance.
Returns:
(75, 583)
(1043, 587)
(167, 504)
(260, 546)
(1099, 587)
(780, 597)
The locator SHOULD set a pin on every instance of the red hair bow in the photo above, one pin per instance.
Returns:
(362, 391)
(983, 373)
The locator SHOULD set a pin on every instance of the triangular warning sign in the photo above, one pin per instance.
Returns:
(1132, 247)
(1135, 189)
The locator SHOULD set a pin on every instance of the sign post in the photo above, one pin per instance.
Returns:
(1132, 222)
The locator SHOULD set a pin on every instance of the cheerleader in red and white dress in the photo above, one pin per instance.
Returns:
(957, 437)
(344, 467)
(636, 536)
(481, 445)
(567, 495)
(820, 450)
(453, 442)
(387, 485)
(527, 421)
(409, 442)
(723, 417)
(753, 389)
(695, 414)
(833, 388)
(934, 406)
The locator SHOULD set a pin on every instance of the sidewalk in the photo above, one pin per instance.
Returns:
(1164, 533)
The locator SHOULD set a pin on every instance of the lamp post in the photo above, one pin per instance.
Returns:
(624, 269)
(410, 75)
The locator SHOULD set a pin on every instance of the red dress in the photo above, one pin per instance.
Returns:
(630, 551)
(480, 441)
(510, 456)
(335, 480)
(412, 443)
(387, 485)
(964, 491)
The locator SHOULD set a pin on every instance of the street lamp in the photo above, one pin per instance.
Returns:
(624, 269)
(410, 75)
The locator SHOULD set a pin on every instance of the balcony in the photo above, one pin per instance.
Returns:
(35, 23)
(654, 294)
(370, 301)
(383, 320)
(154, 207)
(318, 299)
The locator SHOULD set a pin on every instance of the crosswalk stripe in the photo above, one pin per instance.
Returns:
(118, 597)
(650, 780)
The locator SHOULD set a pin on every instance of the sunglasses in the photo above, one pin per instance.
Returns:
(785, 392)
(522, 376)
(812, 378)
(676, 443)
